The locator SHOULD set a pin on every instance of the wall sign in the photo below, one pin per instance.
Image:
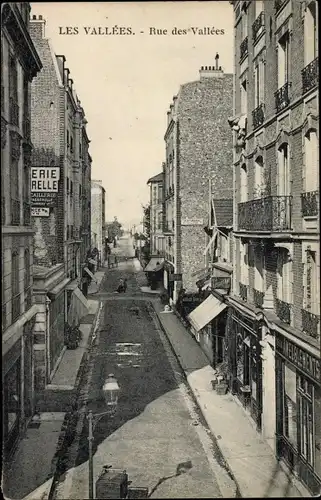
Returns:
(175, 277)
(192, 222)
(299, 358)
(40, 211)
(44, 186)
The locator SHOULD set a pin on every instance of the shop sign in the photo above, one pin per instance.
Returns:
(192, 299)
(299, 358)
(44, 186)
(192, 222)
(40, 211)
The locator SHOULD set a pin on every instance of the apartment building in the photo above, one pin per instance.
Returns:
(274, 308)
(198, 151)
(98, 219)
(60, 178)
(20, 63)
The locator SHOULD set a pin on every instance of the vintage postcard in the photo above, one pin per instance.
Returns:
(160, 249)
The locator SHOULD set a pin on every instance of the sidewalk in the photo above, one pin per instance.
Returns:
(95, 285)
(250, 459)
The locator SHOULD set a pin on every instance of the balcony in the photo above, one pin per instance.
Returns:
(221, 283)
(309, 204)
(272, 213)
(28, 299)
(26, 214)
(258, 116)
(243, 291)
(15, 212)
(283, 311)
(244, 48)
(278, 4)
(258, 297)
(13, 112)
(310, 76)
(257, 25)
(311, 324)
(26, 128)
(282, 97)
(16, 308)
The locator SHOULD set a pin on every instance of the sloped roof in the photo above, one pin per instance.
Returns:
(156, 178)
(223, 212)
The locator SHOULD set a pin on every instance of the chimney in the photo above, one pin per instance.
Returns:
(212, 71)
(37, 27)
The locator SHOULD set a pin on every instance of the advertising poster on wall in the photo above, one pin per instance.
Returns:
(44, 190)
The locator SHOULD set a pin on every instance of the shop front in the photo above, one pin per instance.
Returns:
(245, 364)
(11, 398)
(298, 409)
(57, 316)
(168, 281)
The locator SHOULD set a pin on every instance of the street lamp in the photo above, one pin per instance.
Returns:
(110, 392)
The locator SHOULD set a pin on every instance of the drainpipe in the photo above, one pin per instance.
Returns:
(48, 302)
(22, 385)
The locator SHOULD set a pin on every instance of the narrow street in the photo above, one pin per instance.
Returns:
(157, 427)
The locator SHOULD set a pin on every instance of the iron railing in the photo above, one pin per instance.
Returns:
(15, 212)
(282, 97)
(309, 203)
(258, 23)
(283, 311)
(258, 297)
(311, 324)
(244, 48)
(16, 307)
(272, 213)
(221, 283)
(258, 116)
(243, 291)
(310, 75)
(13, 112)
(28, 299)
(26, 213)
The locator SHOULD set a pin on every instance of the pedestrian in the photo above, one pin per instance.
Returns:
(120, 287)
(125, 285)
(116, 261)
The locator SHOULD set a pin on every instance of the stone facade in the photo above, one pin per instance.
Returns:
(198, 154)
(156, 214)
(20, 63)
(98, 218)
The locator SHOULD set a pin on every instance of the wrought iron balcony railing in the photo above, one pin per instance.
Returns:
(272, 213)
(283, 311)
(221, 283)
(243, 291)
(26, 128)
(257, 25)
(311, 324)
(16, 307)
(258, 116)
(28, 299)
(309, 203)
(282, 97)
(13, 112)
(278, 4)
(244, 48)
(26, 214)
(310, 75)
(15, 212)
(258, 297)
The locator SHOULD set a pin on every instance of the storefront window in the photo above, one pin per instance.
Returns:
(240, 358)
(254, 379)
(12, 397)
(290, 406)
(317, 431)
(305, 391)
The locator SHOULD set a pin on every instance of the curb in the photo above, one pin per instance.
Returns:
(69, 425)
(238, 493)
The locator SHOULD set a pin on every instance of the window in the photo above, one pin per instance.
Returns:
(244, 274)
(284, 183)
(243, 98)
(289, 405)
(259, 187)
(13, 78)
(259, 83)
(15, 286)
(311, 160)
(311, 283)
(310, 33)
(244, 20)
(259, 269)
(224, 248)
(284, 276)
(305, 406)
(244, 184)
(283, 60)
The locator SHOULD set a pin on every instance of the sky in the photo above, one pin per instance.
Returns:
(126, 82)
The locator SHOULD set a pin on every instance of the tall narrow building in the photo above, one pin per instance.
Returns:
(274, 314)
(98, 219)
(20, 63)
(198, 154)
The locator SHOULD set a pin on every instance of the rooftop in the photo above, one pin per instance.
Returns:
(156, 178)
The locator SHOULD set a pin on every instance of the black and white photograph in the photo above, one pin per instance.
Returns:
(160, 250)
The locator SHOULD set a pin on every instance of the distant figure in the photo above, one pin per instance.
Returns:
(125, 285)
(116, 261)
(120, 287)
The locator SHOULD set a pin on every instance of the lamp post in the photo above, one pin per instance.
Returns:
(110, 391)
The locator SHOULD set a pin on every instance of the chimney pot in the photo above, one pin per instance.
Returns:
(40, 17)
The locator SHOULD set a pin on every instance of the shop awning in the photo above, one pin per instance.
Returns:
(205, 312)
(159, 267)
(79, 307)
(89, 273)
(153, 264)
